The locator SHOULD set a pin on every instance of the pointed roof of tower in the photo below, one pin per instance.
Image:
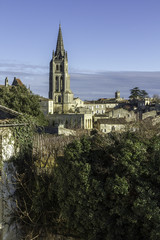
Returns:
(60, 46)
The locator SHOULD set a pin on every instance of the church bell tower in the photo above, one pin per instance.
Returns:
(59, 79)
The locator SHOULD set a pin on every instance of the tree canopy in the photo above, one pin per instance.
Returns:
(156, 98)
(20, 99)
(108, 188)
(136, 93)
(102, 188)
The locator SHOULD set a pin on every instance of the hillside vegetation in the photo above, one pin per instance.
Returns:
(100, 188)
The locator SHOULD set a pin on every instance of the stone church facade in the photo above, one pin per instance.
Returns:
(59, 79)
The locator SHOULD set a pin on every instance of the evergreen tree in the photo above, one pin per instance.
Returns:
(136, 93)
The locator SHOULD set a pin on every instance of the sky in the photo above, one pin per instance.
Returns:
(112, 44)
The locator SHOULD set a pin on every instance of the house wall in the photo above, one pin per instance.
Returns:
(78, 102)
(149, 114)
(46, 106)
(73, 121)
(106, 128)
(99, 108)
(122, 113)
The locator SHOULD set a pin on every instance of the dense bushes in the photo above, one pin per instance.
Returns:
(20, 99)
(103, 188)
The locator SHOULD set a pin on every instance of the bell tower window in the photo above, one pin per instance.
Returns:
(59, 99)
(57, 84)
(62, 84)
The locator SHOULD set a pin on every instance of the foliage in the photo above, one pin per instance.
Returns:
(35, 206)
(20, 99)
(106, 188)
(23, 132)
(136, 93)
(36, 210)
(156, 98)
(103, 188)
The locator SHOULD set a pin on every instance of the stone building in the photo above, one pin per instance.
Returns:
(72, 120)
(63, 109)
(59, 79)
(100, 107)
(46, 105)
(16, 82)
(123, 113)
(111, 125)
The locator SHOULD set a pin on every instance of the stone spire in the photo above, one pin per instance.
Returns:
(60, 47)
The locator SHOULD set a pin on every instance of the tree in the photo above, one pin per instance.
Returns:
(156, 98)
(20, 99)
(102, 187)
(136, 93)
(106, 188)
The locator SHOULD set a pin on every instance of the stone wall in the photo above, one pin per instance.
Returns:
(72, 121)
(123, 113)
(149, 114)
(6, 152)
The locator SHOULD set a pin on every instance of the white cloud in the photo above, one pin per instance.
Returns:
(85, 84)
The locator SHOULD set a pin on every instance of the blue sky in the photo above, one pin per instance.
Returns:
(111, 44)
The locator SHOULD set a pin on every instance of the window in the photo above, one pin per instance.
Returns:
(57, 84)
(113, 128)
(57, 67)
(61, 68)
(59, 99)
(62, 84)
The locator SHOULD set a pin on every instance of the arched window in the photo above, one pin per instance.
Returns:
(113, 128)
(61, 68)
(57, 67)
(57, 84)
(62, 84)
(59, 99)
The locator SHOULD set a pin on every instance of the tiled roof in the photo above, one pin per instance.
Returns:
(16, 82)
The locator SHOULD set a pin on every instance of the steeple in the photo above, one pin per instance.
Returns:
(59, 79)
(60, 47)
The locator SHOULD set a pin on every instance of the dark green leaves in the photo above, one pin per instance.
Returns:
(136, 93)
